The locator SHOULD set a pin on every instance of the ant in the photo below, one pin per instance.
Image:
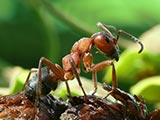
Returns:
(106, 43)
(46, 78)
(49, 76)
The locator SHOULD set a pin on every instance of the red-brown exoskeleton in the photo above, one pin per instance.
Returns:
(48, 76)
(106, 43)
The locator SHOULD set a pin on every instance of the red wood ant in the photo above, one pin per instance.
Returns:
(46, 78)
(106, 43)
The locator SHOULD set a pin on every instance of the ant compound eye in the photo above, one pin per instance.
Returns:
(107, 39)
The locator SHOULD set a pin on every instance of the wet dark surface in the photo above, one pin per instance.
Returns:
(20, 107)
(91, 107)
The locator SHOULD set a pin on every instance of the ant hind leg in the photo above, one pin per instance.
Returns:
(94, 77)
(31, 71)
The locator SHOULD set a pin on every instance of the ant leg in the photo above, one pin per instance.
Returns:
(132, 37)
(53, 67)
(39, 72)
(112, 28)
(38, 88)
(114, 80)
(94, 77)
(57, 70)
(67, 85)
(68, 90)
(32, 70)
(102, 26)
(99, 66)
(77, 75)
(87, 64)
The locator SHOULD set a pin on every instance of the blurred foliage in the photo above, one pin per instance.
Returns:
(147, 87)
(133, 67)
(30, 29)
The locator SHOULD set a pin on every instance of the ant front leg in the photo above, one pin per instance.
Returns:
(99, 66)
(87, 63)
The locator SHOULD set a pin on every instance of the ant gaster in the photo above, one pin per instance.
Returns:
(46, 78)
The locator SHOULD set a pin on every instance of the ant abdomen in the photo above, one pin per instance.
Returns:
(47, 85)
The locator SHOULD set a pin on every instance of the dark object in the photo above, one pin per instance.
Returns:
(133, 107)
(93, 109)
(18, 106)
(54, 106)
(154, 115)
(125, 107)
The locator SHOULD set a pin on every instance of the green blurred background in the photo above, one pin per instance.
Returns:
(30, 29)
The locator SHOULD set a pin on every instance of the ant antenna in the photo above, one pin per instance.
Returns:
(104, 27)
(114, 30)
(140, 43)
(132, 37)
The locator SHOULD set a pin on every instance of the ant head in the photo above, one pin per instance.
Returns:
(106, 43)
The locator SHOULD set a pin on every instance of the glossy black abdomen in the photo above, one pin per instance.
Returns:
(46, 83)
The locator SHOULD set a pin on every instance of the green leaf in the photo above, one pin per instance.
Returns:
(29, 35)
(16, 78)
(132, 66)
(149, 88)
(104, 10)
(16, 84)
(76, 90)
(7, 9)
